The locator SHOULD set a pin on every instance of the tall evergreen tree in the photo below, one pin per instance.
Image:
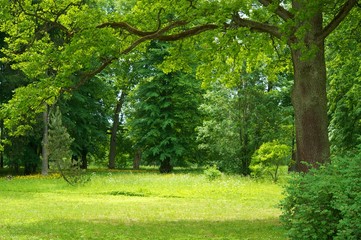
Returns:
(165, 113)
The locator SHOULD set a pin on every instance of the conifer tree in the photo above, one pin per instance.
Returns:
(59, 148)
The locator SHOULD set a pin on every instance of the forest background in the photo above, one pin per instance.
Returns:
(179, 84)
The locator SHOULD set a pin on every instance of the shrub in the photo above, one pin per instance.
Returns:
(212, 173)
(268, 158)
(325, 203)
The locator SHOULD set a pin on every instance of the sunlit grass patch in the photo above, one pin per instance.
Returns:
(142, 205)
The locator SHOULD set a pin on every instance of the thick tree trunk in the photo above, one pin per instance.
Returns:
(45, 142)
(113, 133)
(310, 104)
(309, 100)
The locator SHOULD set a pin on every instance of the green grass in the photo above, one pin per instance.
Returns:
(143, 205)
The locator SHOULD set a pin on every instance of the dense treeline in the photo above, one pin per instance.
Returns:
(138, 97)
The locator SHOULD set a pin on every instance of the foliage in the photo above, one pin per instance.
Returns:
(59, 149)
(237, 120)
(325, 203)
(86, 116)
(164, 113)
(212, 173)
(268, 159)
(344, 91)
(60, 45)
(23, 152)
(49, 53)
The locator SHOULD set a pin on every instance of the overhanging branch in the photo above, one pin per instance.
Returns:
(187, 33)
(86, 76)
(127, 27)
(342, 14)
(53, 23)
(280, 11)
(237, 21)
(157, 35)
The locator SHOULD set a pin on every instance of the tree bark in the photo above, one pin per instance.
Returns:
(1, 138)
(309, 100)
(165, 166)
(84, 160)
(45, 142)
(114, 129)
(137, 158)
(310, 104)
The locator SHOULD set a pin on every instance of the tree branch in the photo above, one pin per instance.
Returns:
(88, 75)
(280, 11)
(126, 26)
(53, 23)
(63, 11)
(342, 14)
(158, 35)
(131, 29)
(187, 33)
(237, 21)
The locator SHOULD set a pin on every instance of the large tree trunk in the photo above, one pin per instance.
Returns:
(113, 136)
(310, 102)
(45, 142)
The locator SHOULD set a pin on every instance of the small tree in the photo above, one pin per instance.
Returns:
(268, 158)
(59, 147)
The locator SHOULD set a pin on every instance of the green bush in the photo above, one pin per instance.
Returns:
(325, 203)
(268, 159)
(212, 173)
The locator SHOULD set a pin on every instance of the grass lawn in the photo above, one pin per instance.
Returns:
(142, 205)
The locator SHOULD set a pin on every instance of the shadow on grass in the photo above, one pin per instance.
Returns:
(114, 229)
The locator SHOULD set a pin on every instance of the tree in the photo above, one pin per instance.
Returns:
(122, 77)
(242, 116)
(15, 151)
(344, 89)
(45, 142)
(86, 116)
(302, 25)
(269, 158)
(114, 129)
(165, 113)
(164, 119)
(60, 153)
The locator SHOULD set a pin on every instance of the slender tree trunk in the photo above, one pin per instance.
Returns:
(137, 158)
(84, 160)
(309, 100)
(45, 142)
(113, 136)
(1, 138)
